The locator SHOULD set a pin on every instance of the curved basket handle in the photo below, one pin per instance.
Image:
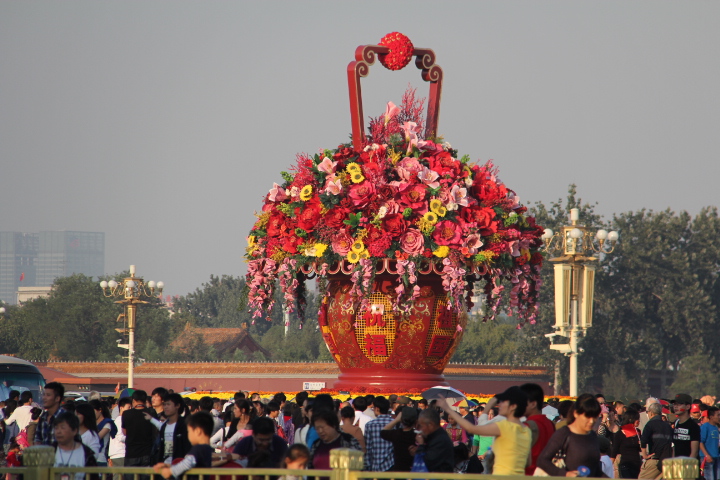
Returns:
(360, 67)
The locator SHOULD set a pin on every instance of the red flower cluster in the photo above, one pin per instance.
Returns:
(403, 198)
(401, 51)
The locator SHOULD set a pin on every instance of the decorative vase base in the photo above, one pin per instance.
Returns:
(390, 380)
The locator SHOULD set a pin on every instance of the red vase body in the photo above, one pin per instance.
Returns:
(375, 347)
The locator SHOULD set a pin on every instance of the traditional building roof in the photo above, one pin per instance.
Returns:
(225, 341)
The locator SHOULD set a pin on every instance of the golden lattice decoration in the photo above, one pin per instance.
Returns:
(443, 325)
(375, 328)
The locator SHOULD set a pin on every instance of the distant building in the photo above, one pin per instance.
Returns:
(25, 294)
(37, 259)
(225, 341)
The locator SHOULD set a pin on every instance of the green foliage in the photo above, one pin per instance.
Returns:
(697, 376)
(82, 321)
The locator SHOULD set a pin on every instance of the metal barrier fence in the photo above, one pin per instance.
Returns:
(345, 465)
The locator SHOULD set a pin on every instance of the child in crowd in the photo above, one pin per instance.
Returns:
(13, 458)
(296, 458)
(200, 426)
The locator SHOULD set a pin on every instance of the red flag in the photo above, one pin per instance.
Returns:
(117, 388)
(22, 276)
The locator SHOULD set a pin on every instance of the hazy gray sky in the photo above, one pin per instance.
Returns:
(163, 124)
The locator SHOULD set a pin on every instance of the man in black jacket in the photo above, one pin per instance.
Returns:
(173, 439)
(656, 441)
(434, 442)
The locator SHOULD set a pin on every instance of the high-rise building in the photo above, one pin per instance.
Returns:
(37, 259)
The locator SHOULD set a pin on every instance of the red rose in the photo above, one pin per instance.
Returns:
(481, 216)
(487, 191)
(335, 217)
(394, 225)
(413, 196)
(447, 233)
(309, 216)
(276, 225)
(386, 192)
(290, 244)
(412, 241)
(361, 193)
(444, 164)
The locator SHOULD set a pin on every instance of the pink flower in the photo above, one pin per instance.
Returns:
(390, 111)
(361, 194)
(277, 193)
(447, 233)
(333, 185)
(412, 241)
(411, 134)
(429, 177)
(341, 244)
(473, 243)
(459, 195)
(327, 166)
(408, 167)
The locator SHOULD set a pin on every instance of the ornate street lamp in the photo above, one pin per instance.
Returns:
(132, 291)
(575, 268)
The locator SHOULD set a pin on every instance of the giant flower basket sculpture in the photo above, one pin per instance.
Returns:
(397, 228)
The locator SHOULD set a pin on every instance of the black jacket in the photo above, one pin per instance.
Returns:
(181, 443)
(439, 452)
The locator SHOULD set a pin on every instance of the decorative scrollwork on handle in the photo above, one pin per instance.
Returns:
(365, 55)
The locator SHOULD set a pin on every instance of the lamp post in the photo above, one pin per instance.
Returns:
(131, 292)
(575, 268)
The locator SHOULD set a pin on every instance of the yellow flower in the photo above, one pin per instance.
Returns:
(320, 249)
(357, 246)
(365, 254)
(431, 218)
(353, 257)
(353, 167)
(394, 156)
(437, 207)
(442, 251)
(251, 240)
(306, 193)
(357, 177)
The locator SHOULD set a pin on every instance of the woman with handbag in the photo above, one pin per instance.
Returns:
(575, 445)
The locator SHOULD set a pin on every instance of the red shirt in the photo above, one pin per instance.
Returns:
(545, 430)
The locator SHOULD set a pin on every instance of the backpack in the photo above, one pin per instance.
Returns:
(22, 439)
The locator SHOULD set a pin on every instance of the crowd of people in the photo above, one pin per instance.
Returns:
(517, 432)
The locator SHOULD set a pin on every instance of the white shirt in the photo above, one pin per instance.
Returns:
(360, 420)
(169, 439)
(217, 440)
(117, 444)
(92, 440)
(74, 458)
(21, 415)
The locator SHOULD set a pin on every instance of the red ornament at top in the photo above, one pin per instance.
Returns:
(401, 51)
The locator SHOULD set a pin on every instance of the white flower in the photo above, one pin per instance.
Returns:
(382, 211)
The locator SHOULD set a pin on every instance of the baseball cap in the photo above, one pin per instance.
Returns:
(403, 400)
(695, 408)
(683, 398)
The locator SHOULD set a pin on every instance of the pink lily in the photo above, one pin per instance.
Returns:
(333, 185)
(327, 166)
(390, 111)
(411, 134)
(459, 195)
(429, 177)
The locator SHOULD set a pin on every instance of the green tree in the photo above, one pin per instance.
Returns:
(697, 376)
